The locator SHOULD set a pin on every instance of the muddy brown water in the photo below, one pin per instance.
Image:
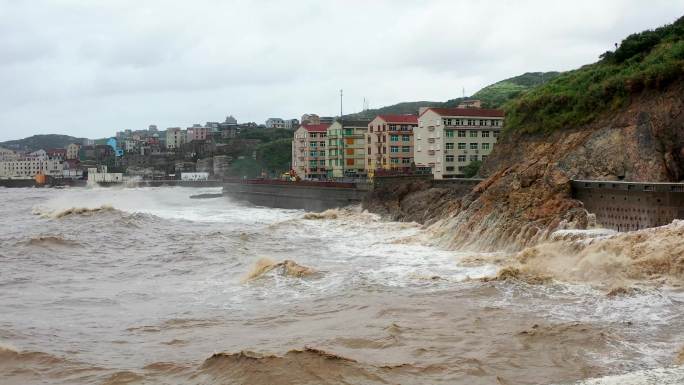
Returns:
(148, 286)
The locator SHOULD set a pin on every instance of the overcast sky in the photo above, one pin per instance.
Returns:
(93, 67)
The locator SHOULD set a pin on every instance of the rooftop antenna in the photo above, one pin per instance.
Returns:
(463, 92)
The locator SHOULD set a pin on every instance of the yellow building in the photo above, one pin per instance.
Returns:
(389, 142)
(347, 148)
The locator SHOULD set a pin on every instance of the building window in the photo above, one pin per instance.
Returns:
(348, 131)
(350, 162)
(312, 134)
(406, 160)
(449, 146)
(369, 150)
(321, 153)
(461, 146)
(449, 133)
(350, 140)
(349, 151)
(313, 144)
(394, 148)
(312, 153)
(449, 158)
(406, 138)
(450, 168)
(470, 122)
(473, 134)
(461, 158)
(405, 148)
(485, 134)
(461, 134)
(473, 146)
(495, 134)
(473, 158)
(485, 146)
(394, 160)
(394, 138)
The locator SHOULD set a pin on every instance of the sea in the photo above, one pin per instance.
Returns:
(176, 285)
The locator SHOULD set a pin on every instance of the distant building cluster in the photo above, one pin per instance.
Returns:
(442, 141)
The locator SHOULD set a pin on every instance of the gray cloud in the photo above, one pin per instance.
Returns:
(89, 68)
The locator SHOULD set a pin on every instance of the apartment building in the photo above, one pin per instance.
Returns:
(197, 132)
(29, 165)
(448, 139)
(72, 151)
(389, 142)
(175, 137)
(347, 148)
(309, 151)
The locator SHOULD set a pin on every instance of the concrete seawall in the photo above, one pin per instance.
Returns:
(626, 206)
(294, 195)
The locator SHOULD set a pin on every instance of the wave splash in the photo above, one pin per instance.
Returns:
(648, 255)
(287, 268)
(73, 211)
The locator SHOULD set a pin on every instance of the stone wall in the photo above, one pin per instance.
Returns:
(626, 206)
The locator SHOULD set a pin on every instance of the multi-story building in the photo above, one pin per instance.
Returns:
(291, 124)
(389, 142)
(30, 165)
(275, 123)
(57, 153)
(448, 139)
(72, 151)
(197, 132)
(309, 151)
(7, 154)
(346, 149)
(175, 137)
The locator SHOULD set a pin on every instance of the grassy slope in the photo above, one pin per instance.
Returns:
(494, 95)
(37, 142)
(650, 60)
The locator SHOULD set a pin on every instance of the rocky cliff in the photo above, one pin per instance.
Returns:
(527, 195)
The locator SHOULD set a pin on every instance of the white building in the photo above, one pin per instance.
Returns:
(194, 176)
(7, 154)
(13, 166)
(275, 123)
(175, 137)
(448, 139)
(101, 175)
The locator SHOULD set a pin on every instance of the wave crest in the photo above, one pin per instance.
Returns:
(287, 267)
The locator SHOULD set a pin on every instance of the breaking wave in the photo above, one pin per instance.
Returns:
(72, 211)
(654, 254)
(287, 267)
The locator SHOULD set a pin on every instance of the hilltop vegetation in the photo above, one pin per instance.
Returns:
(495, 95)
(647, 61)
(37, 142)
(492, 96)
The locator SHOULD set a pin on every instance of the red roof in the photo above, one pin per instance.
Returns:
(477, 112)
(316, 127)
(399, 118)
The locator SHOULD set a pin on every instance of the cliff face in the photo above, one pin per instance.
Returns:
(527, 195)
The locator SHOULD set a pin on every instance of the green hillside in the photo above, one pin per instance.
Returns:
(37, 142)
(495, 95)
(492, 96)
(650, 60)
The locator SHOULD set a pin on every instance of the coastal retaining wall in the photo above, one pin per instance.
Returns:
(626, 206)
(295, 196)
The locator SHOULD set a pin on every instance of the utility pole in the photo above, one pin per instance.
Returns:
(342, 132)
